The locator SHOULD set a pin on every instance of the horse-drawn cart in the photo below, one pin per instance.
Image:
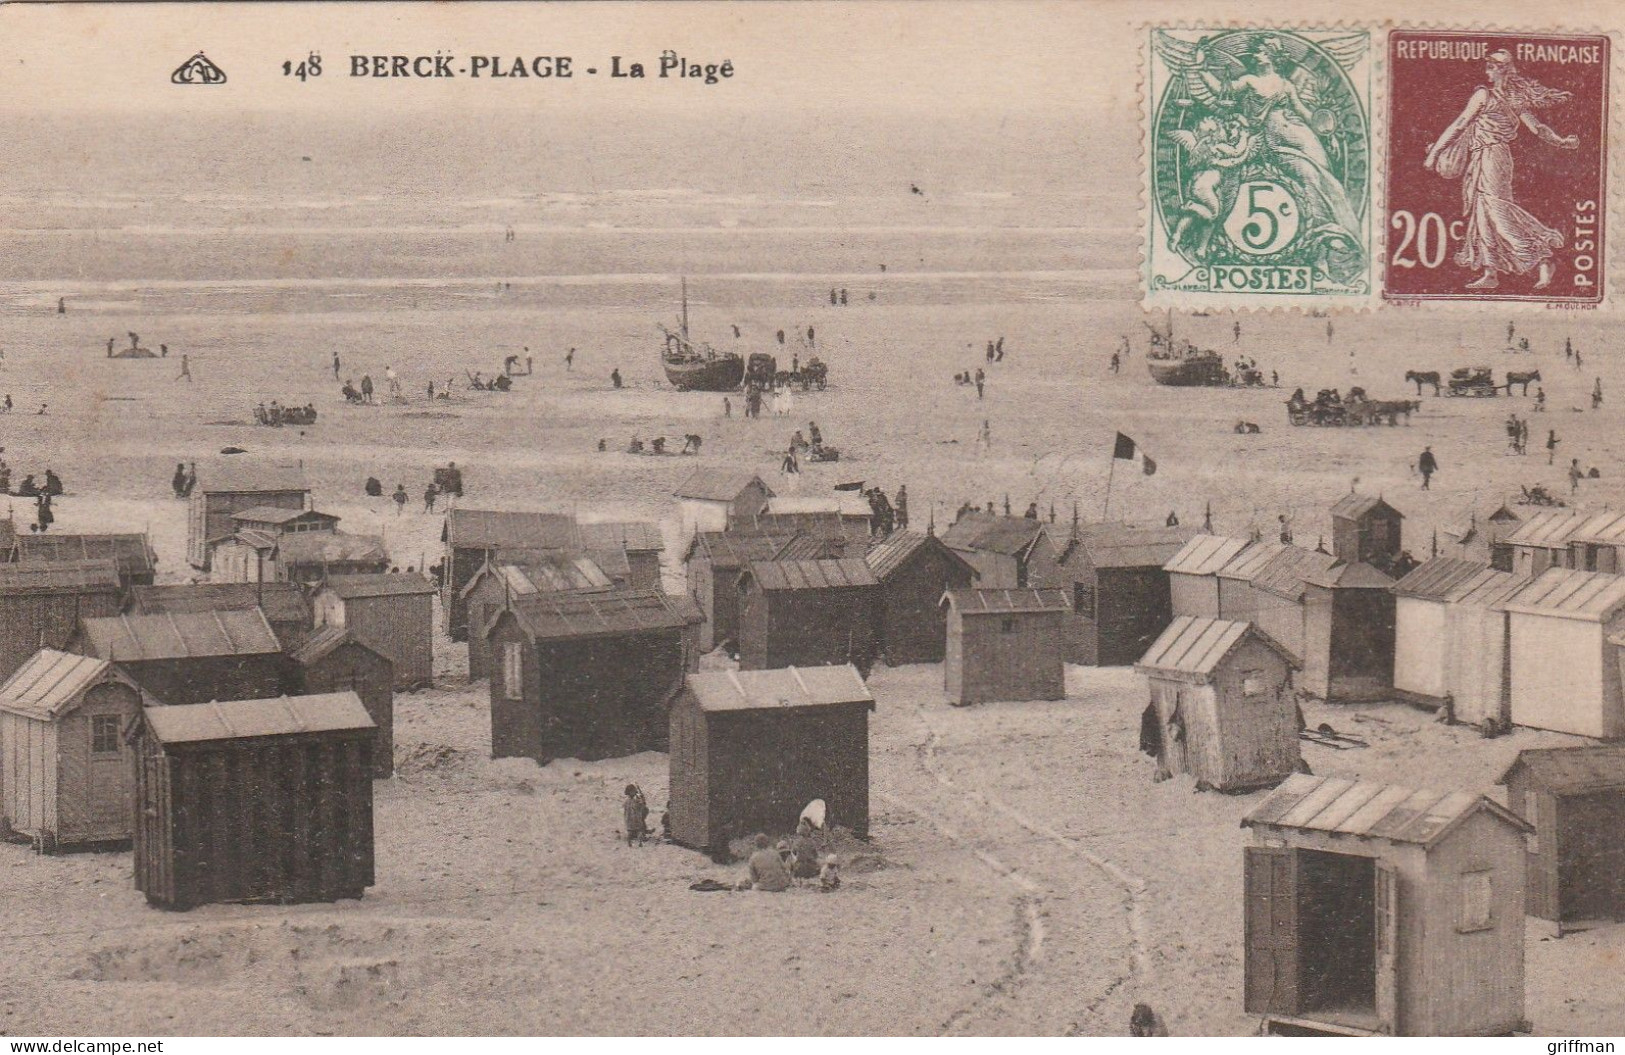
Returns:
(1471, 381)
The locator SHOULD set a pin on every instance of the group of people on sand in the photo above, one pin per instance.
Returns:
(184, 482)
(772, 868)
(432, 492)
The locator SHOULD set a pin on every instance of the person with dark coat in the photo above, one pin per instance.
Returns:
(53, 484)
(766, 871)
(615, 377)
(804, 862)
(901, 505)
(1427, 465)
(430, 493)
(179, 480)
(399, 498)
(374, 489)
(635, 813)
(45, 517)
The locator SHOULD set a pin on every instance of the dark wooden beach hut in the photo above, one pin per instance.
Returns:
(713, 562)
(191, 657)
(64, 766)
(1373, 909)
(285, 605)
(1574, 797)
(254, 800)
(391, 613)
(133, 555)
(232, 487)
(914, 570)
(710, 499)
(1366, 528)
(750, 749)
(1348, 652)
(1005, 645)
(333, 660)
(1120, 594)
(638, 541)
(807, 613)
(584, 675)
(41, 604)
(473, 537)
(1007, 552)
(498, 585)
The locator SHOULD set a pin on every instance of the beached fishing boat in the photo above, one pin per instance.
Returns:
(697, 367)
(1181, 364)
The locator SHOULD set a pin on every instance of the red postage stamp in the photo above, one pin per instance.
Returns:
(1497, 167)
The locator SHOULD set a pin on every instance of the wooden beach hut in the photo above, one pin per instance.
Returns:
(1276, 591)
(851, 510)
(1222, 703)
(1542, 541)
(333, 660)
(1574, 798)
(584, 675)
(191, 657)
(64, 765)
(750, 749)
(496, 586)
(914, 571)
(1597, 543)
(710, 499)
(1005, 645)
(807, 613)
(277, 520)
(391, 613)
(305, 558)
(1008, 553)
(232, 487)
(42, 603)
(1236, 597)
(254, 800)
(1563, 672)
(136, 560)
(473, 537)
(1482, 539)
(1348, 651)
(1373, 909)
(1449, 639)
(285, 605)
(1120, 594)
(1193, 574)
(1366, 529)
(713, 563)
(638, 542)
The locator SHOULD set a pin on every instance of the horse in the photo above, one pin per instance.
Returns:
(1392, 409)
(1521, 377)
(1424, 377)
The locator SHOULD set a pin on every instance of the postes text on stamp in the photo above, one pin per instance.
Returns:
(1259, 174)
(1497, 167)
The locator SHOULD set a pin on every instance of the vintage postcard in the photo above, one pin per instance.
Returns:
(887, 518)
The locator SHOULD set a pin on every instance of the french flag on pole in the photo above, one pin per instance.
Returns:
(1125, 450)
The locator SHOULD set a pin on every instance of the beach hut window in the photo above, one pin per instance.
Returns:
(1477, 897)
(1252, 683)
(1007, 626)
(512, 658)
(104, 730)
(1083, 600)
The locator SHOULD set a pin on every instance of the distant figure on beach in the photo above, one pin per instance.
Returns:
(901, 506)
(510, 364)
(335, 366)
(1237, 331)
(843, 298)
(635, 813)
(781, 336)
(984, 438)
(7, 404)
(1511, 332)
(569, 360)
(1576, 474)
(736, 331)
(990, 351)
(981, 379)
(1568, 348)
(615, 377)
(998, 350)
(366, 387)
(1427, 465)
(186, 369)
(1596, 394)
(1117, 362)
(727, 407)
(373, 488)
(179, 480)
(789, 466)
(1579, 360)
(1551, 446)
(109, 347)
(44, 518)
(430, 493)
(1328, 331)
(163, 351)
(1173, 519)
(832, 299)
(399, 498)
(61, 306)
(43, 407)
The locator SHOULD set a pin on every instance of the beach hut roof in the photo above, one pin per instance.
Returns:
(775, 575)
(1567, 770)
(563, 616)
(1246, 565)
(330, 547)
(841, 503)
(1197, 645)
(130, 551)
(1356, 576)
(381, 584)
(1548, 529)
(1604, 529)
(1590, 596)
(180, 635)
(781, 689)
(633, 536)
(1206, 554)
(279, 515)
(1353, 506)
(1367, 809)
(991, 533)
(1126, 546)
(544, 574)
(244, 719)
(58, 576)
(718, 485)
(812, 547)
(1007, 602)
(1285, 573)
(1436, 579)
(824, 524)
(49, 682)
(886, 557)
(726, 550)
(502, 529)
(283, 602)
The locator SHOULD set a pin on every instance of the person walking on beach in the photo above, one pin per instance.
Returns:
(44, 518)
(109, 347)
(615, 377)
(366, 388)
(61, 306)
(399, 498)
(186, 369)
(1596, 394)
(1236, 330)
(1328, 331)
(1568, 348)
(1576, 474)
(998, 350)
(569, 360)
(981, 379)
(1427, 465)
(1117, 362)
(901, 506)
(990, 351)
(635, 812)
(1578, 360)
(430, 493)
(727, 407)
(1551, 446)
(335, 366)
(984, 437)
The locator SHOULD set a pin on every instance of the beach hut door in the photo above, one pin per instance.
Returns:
(1387, 928)
(1271, 979)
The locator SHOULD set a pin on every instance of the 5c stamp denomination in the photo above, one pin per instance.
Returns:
(1259, 167)
(1497, 167)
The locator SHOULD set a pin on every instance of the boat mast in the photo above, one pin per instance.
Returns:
(685, 307)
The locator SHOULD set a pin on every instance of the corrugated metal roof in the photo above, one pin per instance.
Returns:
(559, 616)
(237, 477)
(1602, 529)
(195, 723)
(718, 485)
(280, 515)
(823, 525)
(64, 576)
(731, 550)
(811, 547)
(321, 643)
(842, 503)
(1250, 561)
(330, 547)
(263, 541)
(1370, 810)
(1125, 546)
(1489, 588)
(811, 574)
(1548, 529)
(993, 534)
(1354, 506)
(553, 574)
(1593, 596)
(1436, 579)
(1193, 645)
(179, 635)
(1590, 767)
(889, 555)
(767, 690)
(132, 552)
(1285, 573)
(384, 584)
(634, 536)
(283, 602)
(501, 529)
(1206, 554)
(50, 682)
(992, 602)
(1356, 576)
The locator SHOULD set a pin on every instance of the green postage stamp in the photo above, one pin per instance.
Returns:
(1258, 167)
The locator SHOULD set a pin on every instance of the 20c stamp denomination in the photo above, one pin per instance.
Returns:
(1259, 178)
(1497, 167)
